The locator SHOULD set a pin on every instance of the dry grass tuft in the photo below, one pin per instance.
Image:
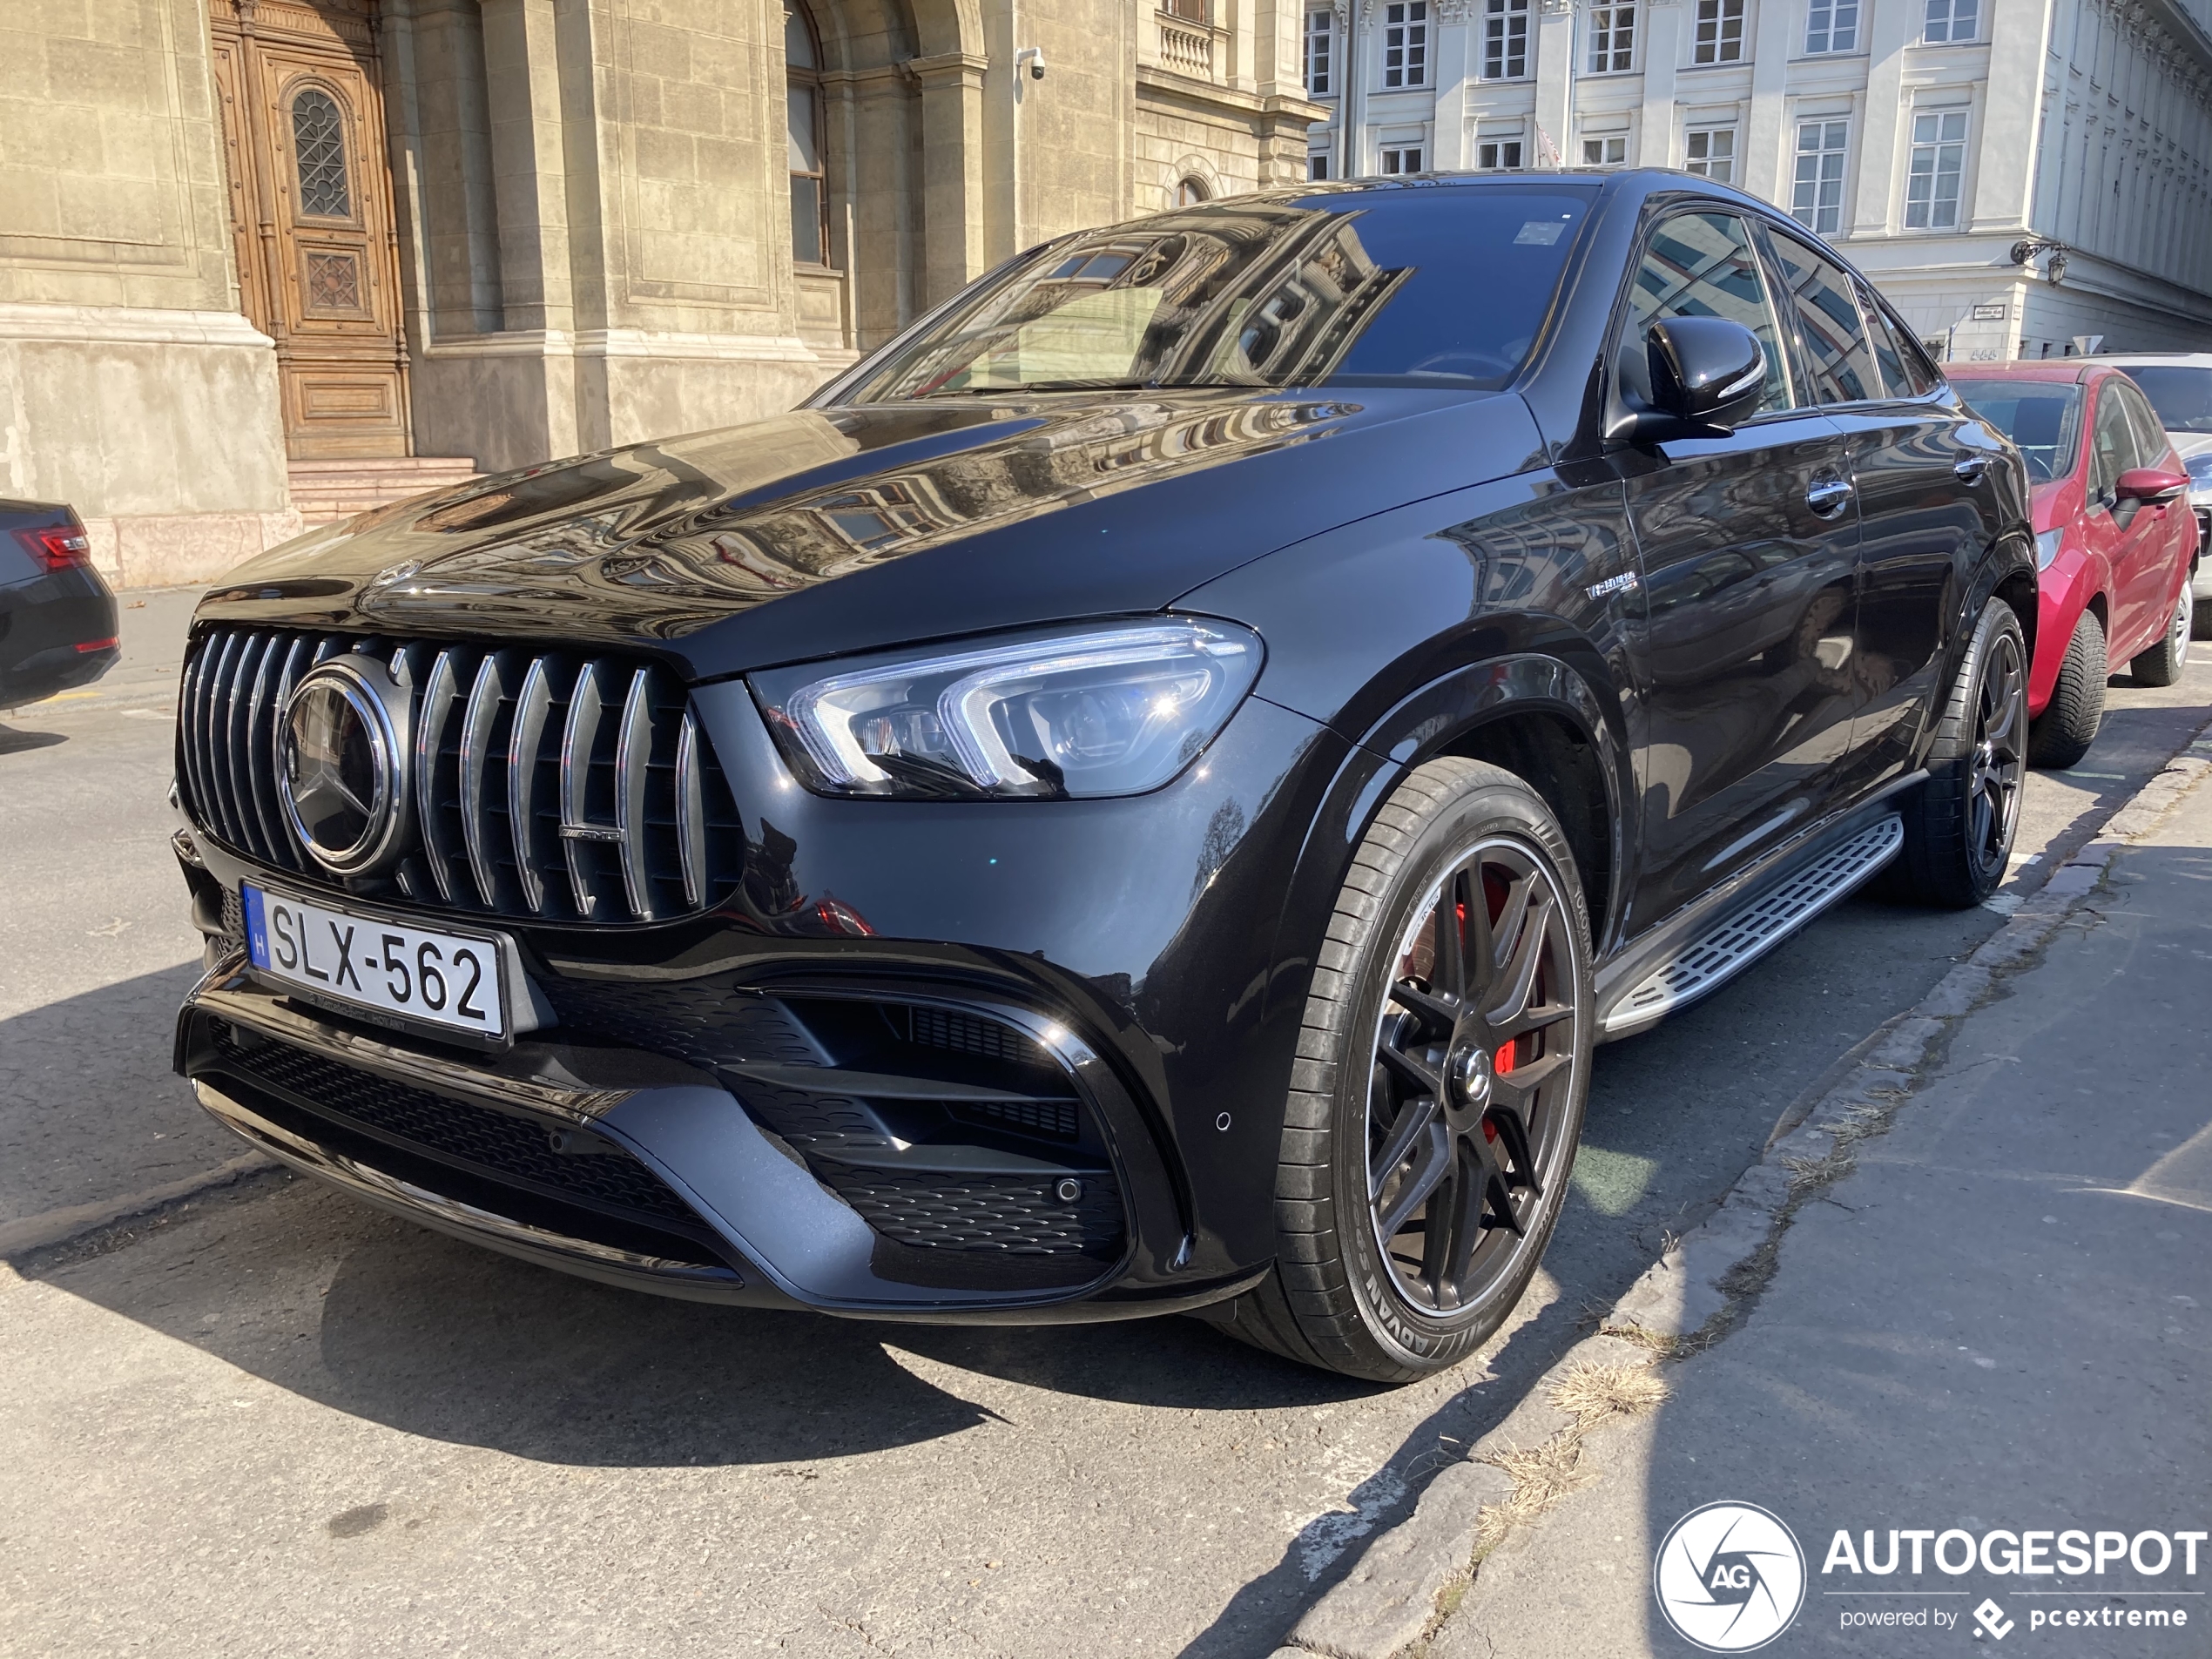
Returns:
(1589, 1393)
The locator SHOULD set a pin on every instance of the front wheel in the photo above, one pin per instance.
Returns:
(1443, 1069)
(1960, 825)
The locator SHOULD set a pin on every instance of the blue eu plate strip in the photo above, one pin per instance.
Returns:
(257, 929)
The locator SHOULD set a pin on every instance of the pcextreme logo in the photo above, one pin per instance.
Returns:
(1729, 1577)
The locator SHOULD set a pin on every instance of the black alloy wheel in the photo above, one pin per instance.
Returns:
(1959, 823)
(1443, 1066)
(1999, 762)
(1471, 1068)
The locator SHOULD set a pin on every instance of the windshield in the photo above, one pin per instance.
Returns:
(1431, 286)
(2042, 417)
(2181, 396)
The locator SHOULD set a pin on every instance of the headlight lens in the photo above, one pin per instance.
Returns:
(2046, 548)
(1108, 710)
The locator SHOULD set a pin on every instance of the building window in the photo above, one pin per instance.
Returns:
(1613, 39)
(803, 111)
(1321, 54)
(1405, 57)
(1505, 40)
(1190, 191)
(1498, 155)
(1401, 158)
(1317, 164)
(1710, 153)
(1817, 203)
(1188, 11)
(319, 151)
(1952, 23)
(1831, 26)
(1611, 151)
(1938, 156)
(1719, 39)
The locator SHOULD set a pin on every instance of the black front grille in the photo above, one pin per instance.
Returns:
(469, 1149)
(540, 784)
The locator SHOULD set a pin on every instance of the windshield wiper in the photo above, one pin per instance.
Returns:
(1041, 385)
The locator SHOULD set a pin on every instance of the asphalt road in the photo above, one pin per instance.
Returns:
(270, 1420)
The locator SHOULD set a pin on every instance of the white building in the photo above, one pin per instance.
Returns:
(1926, 138)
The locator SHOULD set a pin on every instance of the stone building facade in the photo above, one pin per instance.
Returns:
(257, 254)
(1927, 138)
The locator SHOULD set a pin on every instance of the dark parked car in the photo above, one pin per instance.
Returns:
(56, 615)
(1143, 795)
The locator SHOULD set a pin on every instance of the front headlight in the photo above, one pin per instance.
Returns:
(1110, 710)
(2046, 548)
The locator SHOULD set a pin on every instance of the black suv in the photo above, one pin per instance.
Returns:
(1143, 795)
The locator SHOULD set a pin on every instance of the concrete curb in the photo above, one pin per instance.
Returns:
(1413, 1575)
(59, 1226)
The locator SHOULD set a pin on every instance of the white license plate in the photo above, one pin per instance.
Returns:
(452, 980)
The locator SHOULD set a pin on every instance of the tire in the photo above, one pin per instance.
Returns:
(1439, 1108)
(2069, 722)
(2202, 628)
(2163, 663)
(1960, 825)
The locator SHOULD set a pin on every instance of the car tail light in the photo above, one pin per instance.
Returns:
(58, 547)
(109, 644)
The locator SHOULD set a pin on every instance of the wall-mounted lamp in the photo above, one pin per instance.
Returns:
(2023, 252)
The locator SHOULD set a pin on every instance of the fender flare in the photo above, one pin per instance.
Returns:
(1424, 723)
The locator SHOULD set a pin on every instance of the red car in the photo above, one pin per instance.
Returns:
(2115, 542)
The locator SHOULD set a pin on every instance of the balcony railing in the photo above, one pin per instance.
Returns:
(1189, 43)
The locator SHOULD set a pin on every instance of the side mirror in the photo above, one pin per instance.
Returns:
(2152, 486)
(1707, 376)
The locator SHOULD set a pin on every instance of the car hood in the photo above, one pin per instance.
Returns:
(823, 532)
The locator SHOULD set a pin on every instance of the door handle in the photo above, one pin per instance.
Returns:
(1971, 469)
(1828, 496)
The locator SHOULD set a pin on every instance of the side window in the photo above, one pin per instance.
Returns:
(2112, 448)
(1896, 352)
(1830, 329)
(1703, 265)
(2151, 441)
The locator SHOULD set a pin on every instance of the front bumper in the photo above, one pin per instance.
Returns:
(738, 1058)
(615, 1165)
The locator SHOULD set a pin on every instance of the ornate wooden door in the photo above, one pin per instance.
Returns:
(311, 213)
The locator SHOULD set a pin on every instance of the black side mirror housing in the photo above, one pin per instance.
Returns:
(1707, 377)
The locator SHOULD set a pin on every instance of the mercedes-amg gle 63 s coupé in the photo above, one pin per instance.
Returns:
(1143, 795)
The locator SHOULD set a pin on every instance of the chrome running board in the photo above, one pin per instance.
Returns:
(1746, 934)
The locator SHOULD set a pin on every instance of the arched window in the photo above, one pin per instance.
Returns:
(318, 152)
(1192, 191)
(803, 89)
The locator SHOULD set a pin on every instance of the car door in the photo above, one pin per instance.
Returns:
(2128, 533)
(2157, 541)
(1927, 500)
(1746, 543)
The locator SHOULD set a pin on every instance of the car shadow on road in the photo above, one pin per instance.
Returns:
(13, 740)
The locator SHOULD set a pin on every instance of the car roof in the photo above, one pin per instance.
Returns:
(2073, 369)
(2155, 359)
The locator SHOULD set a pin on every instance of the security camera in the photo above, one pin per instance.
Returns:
(1034, 57)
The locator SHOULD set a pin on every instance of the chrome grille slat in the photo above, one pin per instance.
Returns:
(691, 812)
(633, 755)
(579, 739)
(436, 708)
(531, 706)
(260, 773)
(546, 785)
(476, 755)
(219, 744)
